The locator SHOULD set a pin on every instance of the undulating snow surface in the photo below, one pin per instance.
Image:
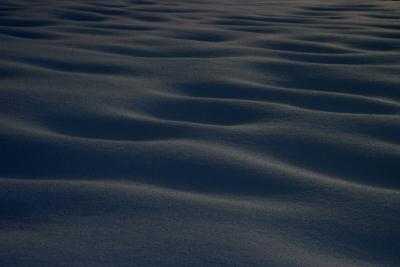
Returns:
(199, 133)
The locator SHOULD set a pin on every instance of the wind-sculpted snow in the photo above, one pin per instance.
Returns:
(199, 133)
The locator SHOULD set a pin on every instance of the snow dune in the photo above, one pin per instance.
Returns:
(199, 133)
